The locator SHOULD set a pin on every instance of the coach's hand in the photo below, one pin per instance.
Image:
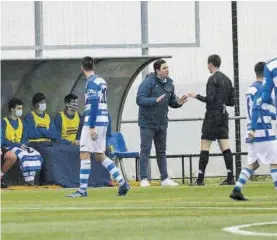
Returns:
(93, 134)
(160, 98)
(183, 99)
(251, 134)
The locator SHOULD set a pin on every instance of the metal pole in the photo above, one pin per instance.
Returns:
(197, 24)
(144, 50)
(183, 170)
(144, 32)
(236, 84)
(190, 169)
(38, 27)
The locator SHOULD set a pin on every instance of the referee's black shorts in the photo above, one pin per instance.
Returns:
(215, 126)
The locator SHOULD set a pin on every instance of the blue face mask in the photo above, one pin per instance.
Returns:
(73, 107)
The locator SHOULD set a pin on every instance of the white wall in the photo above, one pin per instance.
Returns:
(111, 23)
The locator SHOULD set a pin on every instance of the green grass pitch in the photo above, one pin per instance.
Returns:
(153, 213)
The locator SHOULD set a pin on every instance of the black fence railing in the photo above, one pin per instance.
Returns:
(189, 156)
(185, 119)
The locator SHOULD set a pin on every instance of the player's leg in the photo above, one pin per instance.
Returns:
(273, 172)
(85, 170)
(9, 159)
(258, 153)
(114, 171)
(273, 162)
(228, 158)
(203, 161)
(244, 176)
(86, 148)
(246, 173)
(99, 152)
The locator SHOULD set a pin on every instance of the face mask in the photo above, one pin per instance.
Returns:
(42, 107)
(73, 107)
(18, 113)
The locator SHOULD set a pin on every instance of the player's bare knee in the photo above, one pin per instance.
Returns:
(274, 166)
(84, 155)
(10, 157)
(205, 145)
(223, 144)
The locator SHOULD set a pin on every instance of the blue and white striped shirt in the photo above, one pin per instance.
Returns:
(265, 113)
(96, 107)
(264, 96)
(270, 75)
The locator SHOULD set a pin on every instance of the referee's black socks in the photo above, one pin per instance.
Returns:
(203, 161)
(228, 158)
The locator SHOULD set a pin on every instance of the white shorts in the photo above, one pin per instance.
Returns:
(88, 145)
(263, 152)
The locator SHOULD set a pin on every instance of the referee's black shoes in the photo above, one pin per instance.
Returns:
(228, 182)
(198, 183)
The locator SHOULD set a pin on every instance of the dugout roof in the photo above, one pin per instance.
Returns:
(58, 77)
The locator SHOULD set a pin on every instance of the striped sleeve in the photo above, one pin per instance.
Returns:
(92, 101)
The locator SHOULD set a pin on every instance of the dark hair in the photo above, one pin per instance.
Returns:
(69, 97)
(14, 102)
(37, 98)
(259, 69)
(87, 63)
(157, 64)
(215, 60)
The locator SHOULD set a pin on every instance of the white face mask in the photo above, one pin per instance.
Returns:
(18, 113)
(42, 107)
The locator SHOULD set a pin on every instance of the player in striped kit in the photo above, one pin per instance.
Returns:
(14, 140)
(264, 96)
(270, 75)
(93, 136)
(262, 145)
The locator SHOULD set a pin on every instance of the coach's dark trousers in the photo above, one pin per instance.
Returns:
(147, 135)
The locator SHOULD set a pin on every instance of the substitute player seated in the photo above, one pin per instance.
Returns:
(67, 122)
(40, 126)
(14, 144)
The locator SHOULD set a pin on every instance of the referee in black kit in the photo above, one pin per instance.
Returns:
(220, 93)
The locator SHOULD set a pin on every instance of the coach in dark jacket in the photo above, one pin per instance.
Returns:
(154, 96)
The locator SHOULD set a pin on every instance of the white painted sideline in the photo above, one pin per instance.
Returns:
(237, 229)
(64, 208)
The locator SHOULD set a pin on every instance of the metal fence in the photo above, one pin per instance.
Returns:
(194, 155)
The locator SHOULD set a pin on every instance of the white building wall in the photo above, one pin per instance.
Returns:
(119, 23)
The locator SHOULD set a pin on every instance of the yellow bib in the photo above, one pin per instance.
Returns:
(11, 134)
(70, 126)
(43, 122)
